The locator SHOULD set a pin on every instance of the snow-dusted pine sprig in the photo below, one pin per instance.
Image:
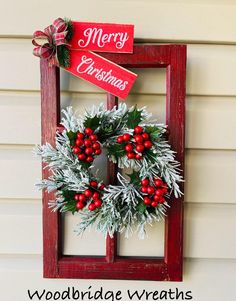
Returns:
(123, 209)
(120, 212)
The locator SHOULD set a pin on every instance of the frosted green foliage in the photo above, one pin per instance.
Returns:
(123, 209)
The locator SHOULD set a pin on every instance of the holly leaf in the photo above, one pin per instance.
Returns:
(70, 202)
(92, 122)
(84, 164)
(68, 194)
(150, 155)
(116, 150)
(70, 206)
(134, 118)
(72, 137)
(142, 207)
(134, 178)
(63, 56)
(153, 131)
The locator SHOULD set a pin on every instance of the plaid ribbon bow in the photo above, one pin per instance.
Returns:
(54, 35)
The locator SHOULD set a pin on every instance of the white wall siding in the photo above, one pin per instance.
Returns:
(208, 28)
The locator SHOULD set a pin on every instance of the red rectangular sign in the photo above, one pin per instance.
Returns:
(103, 37)
(101, 72)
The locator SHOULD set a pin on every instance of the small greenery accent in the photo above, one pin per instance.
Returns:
(63, 52)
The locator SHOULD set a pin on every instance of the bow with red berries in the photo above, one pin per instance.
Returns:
(139, 198)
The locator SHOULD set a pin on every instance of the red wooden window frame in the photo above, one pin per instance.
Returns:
(112, 266)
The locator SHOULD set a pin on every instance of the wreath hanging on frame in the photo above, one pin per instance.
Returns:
(131, 141)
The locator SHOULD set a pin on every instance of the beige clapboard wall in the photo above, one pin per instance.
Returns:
(208, 27)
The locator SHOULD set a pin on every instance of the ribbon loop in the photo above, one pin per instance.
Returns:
(46, 41)
(60, 25)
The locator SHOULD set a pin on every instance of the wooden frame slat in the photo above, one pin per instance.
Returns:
(112, 266)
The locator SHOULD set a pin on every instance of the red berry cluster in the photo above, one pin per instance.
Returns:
(155, 193)
(87, 146)
(92, 195)
(136, 144)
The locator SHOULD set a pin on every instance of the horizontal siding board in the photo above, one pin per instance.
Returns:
(209, 231)
(152, 245)
(206, 171)
(186, 20)
(73, 244)
(210, 71)
(19, 172)
(21, 67)
(79, 245)
(211, 121)
(20, 121)
(26, 274)
(205, 226)
(20, 228)
(210, 176)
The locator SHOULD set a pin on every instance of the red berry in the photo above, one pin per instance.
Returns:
(138, 139)
(81, 157)
(93, 137)
(96, 195)
(154, 204)
(79, 205)
(88, 193)
(102, 186)
(145, 136)
(82, 198)
(131, 155)
(94, 184)
(129, 148)
(76, 197)
(120, 139)
(150, 190)
(140, 148)
(79, 142)
(158, 182)
(88, 131)
(159, 192)
(156, 198)
(76, 150)
(91, 207)
(98, 203)
(89, 159)
(138, 157)
(145, 182)
(80, 135)
(138, 129)
(88, 151)
(148, 144)
(144, 189)
(87, 142)
(96, 145)
(98, 152)
(164, 190)
(126, 137)
(146, 200)
(162, 200)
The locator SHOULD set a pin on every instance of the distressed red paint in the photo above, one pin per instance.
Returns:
(111, 266)
(102, 37)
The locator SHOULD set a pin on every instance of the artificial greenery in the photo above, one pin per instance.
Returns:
(63, 52)
(123, 208)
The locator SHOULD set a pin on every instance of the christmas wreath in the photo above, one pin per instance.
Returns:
(130, 140)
